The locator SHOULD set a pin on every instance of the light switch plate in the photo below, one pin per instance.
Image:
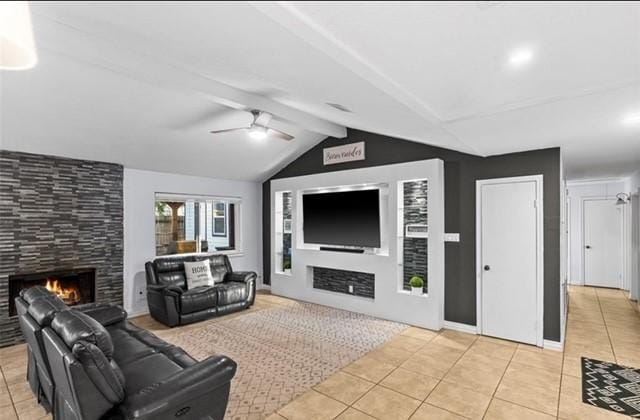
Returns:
(452, 237)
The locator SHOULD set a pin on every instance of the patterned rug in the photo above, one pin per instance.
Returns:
(282, 352)
(610, 386)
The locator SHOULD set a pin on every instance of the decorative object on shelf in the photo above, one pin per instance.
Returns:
(623, 198)
(286, 265)
(417, 284)
(286, 226)
(416, 230)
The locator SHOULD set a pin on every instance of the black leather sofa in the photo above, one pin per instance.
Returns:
(101, 367)
(171, 303)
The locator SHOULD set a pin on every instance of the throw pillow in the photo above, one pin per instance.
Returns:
(198, 274)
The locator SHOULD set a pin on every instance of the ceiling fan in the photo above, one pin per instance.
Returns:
(259, 129)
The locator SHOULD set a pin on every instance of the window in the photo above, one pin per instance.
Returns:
(187, 224)
(219, 224)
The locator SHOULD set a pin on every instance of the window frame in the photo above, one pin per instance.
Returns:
(225, 211)
(200, 199)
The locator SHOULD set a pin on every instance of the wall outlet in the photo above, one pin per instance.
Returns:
(351, 288)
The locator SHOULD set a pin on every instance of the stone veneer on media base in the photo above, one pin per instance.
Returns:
(333, 280)
(59, 213)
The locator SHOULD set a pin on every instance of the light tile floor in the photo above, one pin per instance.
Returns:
(421, 374)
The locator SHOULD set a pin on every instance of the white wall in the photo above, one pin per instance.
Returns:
(390, 301)
(139, 223)
(577, 191)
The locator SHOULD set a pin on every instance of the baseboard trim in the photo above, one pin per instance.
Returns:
(457, 326)
(553, 345)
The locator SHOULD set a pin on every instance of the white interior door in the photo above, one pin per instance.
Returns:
(509, 255)
(602, 243)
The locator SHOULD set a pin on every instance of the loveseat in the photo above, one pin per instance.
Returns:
(172, 303)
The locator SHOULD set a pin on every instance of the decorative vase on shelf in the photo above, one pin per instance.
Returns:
(417, 285)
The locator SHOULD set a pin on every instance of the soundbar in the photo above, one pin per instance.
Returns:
(351, 250)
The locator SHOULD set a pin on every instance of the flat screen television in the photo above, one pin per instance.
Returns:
(348, 218)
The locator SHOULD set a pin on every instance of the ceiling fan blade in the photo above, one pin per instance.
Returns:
(272, 132)
(263, 119)
(227, 130)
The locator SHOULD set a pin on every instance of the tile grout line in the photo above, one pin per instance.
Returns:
(493, 395)
(445, 374)
(4, 380)
(606, 328)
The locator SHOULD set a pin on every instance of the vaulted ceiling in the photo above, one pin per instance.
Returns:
(142, 84)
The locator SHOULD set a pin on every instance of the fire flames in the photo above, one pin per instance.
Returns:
(70, 294)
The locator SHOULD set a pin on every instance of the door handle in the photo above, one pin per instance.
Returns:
(487, 268)
(588, 246)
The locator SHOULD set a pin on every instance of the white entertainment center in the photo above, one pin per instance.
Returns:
(387, 296)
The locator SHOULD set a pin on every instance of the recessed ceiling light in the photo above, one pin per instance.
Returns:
(258, 133)
(632, 118)
(520, 57)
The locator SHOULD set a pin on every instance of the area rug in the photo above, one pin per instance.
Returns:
(611, 386)
(282, 352)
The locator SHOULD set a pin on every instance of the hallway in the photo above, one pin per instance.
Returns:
(602, 324)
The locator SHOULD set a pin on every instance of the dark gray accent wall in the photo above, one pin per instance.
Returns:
(364, 284)
(55, 214)
(461, 172)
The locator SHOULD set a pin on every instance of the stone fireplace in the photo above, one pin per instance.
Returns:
(60, 219)
(74, 287)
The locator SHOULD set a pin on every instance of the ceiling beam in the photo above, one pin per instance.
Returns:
(304, 27)
(65, 39)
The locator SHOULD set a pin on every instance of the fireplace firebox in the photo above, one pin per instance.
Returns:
(74, 286)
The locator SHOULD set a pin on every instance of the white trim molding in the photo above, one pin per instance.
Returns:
(460, 327)
(553, 345)
(539, 180)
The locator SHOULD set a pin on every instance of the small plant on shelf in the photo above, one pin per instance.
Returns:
(286, 265)
(417, 284)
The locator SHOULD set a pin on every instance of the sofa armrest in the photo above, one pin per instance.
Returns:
(164, 303)
(241, 276)
(106, 314)
(249, 278)
(186, 391)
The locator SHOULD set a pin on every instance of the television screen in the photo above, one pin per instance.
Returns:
(350, 218)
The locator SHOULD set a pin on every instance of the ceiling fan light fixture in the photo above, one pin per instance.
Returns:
(258, 133)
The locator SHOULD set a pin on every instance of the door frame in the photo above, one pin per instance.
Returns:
(538, 179)
(583, 239)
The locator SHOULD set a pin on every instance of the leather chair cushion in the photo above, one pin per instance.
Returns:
(197, 299)
(174, 278)
(35, 292)
(218, 272)
(128, 348)
(169, 265)
(147, 371)
(219, 266)
(105, 375)
(44, 309)
(73, 326)
(231, 292)
(106, 314)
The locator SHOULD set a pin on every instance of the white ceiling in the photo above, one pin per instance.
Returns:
(142, 84)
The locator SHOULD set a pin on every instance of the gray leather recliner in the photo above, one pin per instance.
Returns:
(97, 365)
